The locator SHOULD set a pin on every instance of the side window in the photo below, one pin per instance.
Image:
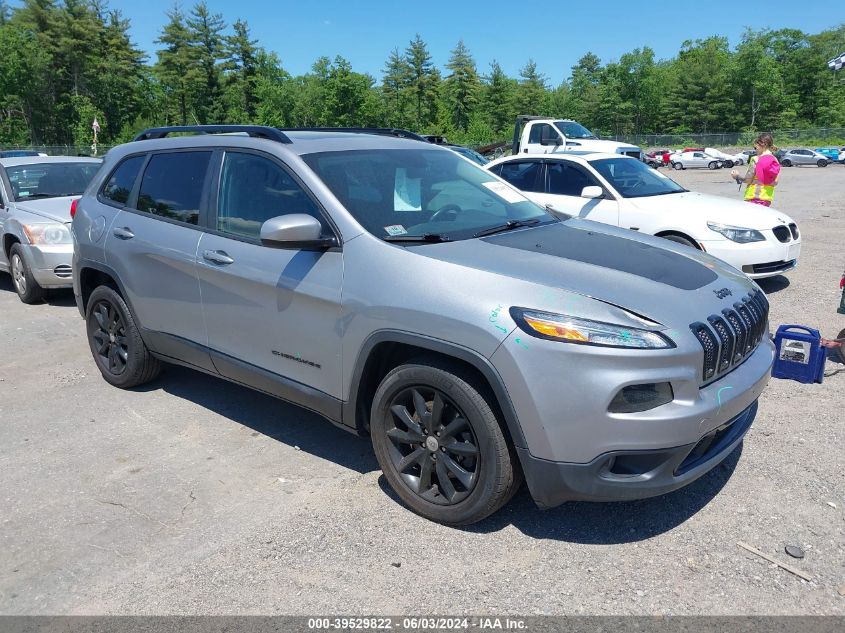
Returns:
(172, 185)
(568, 180)
(524, 175)
(254, 189)
(538, 130)
(119, 186)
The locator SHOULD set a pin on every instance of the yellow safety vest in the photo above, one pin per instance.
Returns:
(757, 190)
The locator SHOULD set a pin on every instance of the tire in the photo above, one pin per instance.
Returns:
(454, 470)
(713, 165)
(787, 163)
(679, 239)
(728, 164)
(116, 344)
(739, 163)
(677, 166)
(821, 162)
(25, 285)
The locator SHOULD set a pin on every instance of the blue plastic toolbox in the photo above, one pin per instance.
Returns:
(799, 354)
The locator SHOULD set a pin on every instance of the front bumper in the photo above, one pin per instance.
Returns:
(50, 265)
(628, 475)
(757, 259)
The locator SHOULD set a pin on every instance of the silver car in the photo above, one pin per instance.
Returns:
(694, 160)
(803, 157)
(475, 342)
(37, 193)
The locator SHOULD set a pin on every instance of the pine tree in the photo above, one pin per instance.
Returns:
(206, 38)
(241, 74)
(462, 87)
(176, 65)
(394, 89)
(423, 83)
(532, 89)
(499, 99)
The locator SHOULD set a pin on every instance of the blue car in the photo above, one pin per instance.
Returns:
(831, 152)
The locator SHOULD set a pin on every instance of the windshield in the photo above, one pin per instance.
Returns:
(634, 179)
(469, 153)
(50, 180)
(571, 129)
(406, 193)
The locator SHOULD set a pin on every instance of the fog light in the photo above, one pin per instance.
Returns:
(635, 398)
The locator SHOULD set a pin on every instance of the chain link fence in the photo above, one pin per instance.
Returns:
(58, 150)
(783, 138)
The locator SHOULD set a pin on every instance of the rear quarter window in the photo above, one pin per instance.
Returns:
(120, 183)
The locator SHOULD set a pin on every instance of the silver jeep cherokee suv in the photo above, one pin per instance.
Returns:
(400, 290)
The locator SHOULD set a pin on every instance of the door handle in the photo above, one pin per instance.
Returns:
(123, 233)
(218, 257)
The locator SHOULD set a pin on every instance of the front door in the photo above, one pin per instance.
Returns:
(565, 181)
(268, 308)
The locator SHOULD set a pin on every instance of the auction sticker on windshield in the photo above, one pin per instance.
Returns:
(504, 192)
(395, 229)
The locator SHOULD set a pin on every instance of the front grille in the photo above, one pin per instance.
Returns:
(782, 233)
(64, 271)
(728, 338)
(794, 230)
(772, 267)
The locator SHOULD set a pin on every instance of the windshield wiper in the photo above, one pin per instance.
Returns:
(428, 237)
(507, 226)
(35, 196)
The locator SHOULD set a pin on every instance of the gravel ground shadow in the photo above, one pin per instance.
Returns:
(277, 419)
(604, 523)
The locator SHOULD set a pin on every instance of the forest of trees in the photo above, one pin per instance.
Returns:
(65, 62)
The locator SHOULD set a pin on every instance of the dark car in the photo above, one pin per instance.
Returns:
(18, 153)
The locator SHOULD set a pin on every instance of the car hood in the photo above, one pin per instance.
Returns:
(55, 209)
(707, 208)
(640, 273)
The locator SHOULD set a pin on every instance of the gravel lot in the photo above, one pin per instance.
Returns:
(195, 496)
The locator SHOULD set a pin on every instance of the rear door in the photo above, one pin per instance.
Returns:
(152, 246)
(268, 308)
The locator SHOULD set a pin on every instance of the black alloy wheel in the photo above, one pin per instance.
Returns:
(433, 447)
(112, 344)
(115, 341)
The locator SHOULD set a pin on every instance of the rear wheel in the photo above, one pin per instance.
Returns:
(25, 285)
(677, 166)
(440, 444)
(680, 240)
(821, 162)
(115, 342)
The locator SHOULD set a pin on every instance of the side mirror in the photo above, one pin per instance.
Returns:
(548, 140)
(592, 192)
(297, 230)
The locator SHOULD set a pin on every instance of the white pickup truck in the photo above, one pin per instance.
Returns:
(542, 135)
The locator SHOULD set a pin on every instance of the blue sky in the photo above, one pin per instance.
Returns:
(554, 34)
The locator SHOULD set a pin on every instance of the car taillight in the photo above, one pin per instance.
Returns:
(73, 207)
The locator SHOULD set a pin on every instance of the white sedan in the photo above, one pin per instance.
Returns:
(625, 192)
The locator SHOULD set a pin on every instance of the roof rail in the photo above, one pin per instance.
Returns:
(258, 131)
(382, 131)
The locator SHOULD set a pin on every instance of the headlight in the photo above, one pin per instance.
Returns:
(561, 327)
(48, 234)
(736, 233)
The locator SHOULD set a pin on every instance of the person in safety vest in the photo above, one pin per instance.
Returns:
(762, 174)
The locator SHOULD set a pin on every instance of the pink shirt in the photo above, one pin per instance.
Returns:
(767, 169)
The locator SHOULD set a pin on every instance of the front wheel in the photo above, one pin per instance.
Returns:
(440, 444)
(822, 163)
(679, 239)
(787, 163)
(116, 344)
(25, 285)
(713, 165)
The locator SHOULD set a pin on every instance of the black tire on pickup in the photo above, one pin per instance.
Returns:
(440, 444)
(116, 344)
